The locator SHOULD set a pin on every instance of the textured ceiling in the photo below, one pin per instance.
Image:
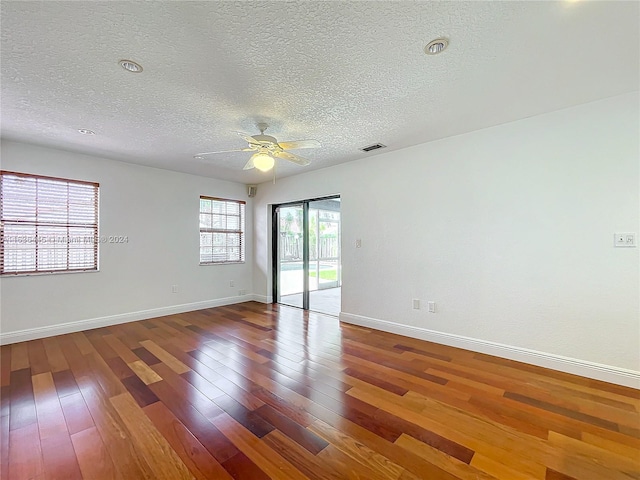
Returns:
(348, 74)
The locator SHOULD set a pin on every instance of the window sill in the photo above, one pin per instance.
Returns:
(39, 274)
(221, 263)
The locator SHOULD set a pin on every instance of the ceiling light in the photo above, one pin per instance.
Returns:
(263, 162)
(131, 66)
(436, 46)
(198, 157)
(84, 131)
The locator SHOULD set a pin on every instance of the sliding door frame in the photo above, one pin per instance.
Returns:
(275, 235)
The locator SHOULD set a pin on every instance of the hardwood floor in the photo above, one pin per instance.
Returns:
(257, 391)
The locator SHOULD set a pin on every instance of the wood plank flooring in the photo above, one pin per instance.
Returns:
(255, 391)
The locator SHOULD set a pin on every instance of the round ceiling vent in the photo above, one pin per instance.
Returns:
(436, 46)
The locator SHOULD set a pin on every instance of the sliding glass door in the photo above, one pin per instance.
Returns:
(325, 278)
(290, 261)
(306, 257)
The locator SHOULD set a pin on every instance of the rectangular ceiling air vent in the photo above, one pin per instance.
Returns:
(375, 146)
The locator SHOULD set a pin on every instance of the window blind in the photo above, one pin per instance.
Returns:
(47, 224)
(221, 230)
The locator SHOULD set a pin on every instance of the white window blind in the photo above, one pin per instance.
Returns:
(47, 224)
(221, 230)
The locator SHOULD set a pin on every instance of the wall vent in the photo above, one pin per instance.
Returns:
(375, 146)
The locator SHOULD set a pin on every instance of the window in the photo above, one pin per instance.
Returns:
(221, 231)
(47, 224)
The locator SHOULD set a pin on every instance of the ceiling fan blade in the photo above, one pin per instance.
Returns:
(249, 164)
(224, 151)
(293, 158)
(299, 144)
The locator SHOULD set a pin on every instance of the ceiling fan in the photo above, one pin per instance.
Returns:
(267, 149)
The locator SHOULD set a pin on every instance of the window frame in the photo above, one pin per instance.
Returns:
(94, 226)
(241, 232)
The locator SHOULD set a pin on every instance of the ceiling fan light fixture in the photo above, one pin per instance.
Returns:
(263, 162)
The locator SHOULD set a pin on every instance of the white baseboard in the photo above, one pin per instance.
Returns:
(606, 373)
(262, 298)
(70, 327)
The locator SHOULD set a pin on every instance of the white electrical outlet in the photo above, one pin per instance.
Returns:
(625, 239)
(416, 304)
(358, 243)
(242, 292)
(432, 307)
(232, 283)
(174, 288)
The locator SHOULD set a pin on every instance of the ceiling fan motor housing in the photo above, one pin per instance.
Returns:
(265, 138)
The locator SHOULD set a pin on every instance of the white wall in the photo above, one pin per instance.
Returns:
(158, 211)
(509, 229)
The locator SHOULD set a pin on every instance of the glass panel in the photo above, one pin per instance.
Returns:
(19, 248)
(52, 201)
(205, 220)
(233, 239)
(218, 207)
(233, 254)
(219, 239)
(206, 255)
(290, 265)
(218, 221)
(233, 222)
(206, 239)
(325, 272)
(19, 198)
(52, 248)
(205, 206)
